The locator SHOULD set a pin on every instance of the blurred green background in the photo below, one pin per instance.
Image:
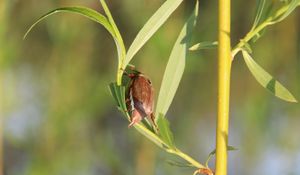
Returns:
(59, 118)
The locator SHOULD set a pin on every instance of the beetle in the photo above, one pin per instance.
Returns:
(140, 98)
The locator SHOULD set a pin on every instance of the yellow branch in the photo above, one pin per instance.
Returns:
(2, 23)
(224, 61)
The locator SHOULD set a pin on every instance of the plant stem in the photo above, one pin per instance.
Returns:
(224, 67)
(1, 127)
(119, 77)
(155, 139)
(186, 157)
(259, 28)
(3, 30)
(1, 146)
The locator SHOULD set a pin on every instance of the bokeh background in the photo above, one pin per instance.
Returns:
(58, 117)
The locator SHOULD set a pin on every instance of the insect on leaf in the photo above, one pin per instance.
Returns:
(175, 65)
(152, 25)
(165, 131)
(118, 92)
(266, 80)
(204, 45)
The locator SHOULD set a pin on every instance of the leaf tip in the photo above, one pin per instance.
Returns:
(193, 48)
(293, 100)
(27, 32)
(25, 35)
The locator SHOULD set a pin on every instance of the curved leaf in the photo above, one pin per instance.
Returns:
(291, 7)
(121, 50)
(175, 66)
(204, 45)
(259, 12)
(118, 92)
(179, 164)
(108, 24)
(212, 153)
(86, 12)
(152, 25)
(266, 80)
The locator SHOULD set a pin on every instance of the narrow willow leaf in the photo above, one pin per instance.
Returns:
(165, 131)
(229, 148)
(121, 50)
(118, 92)
(175, 66)
(113, 92)
(204, 45)
(179, 164)
(86, 12)
(99, 18)
(291, 7)
(259, 12)
(269, 9)
(152, 25)
(266, 80)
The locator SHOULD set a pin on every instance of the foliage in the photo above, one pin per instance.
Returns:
(170, 81)
(266, 16)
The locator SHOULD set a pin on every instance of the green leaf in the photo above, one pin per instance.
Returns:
(108, 24)
(152, 25)
(86, 12)
(266, 80)
(120, 47)
(229, 148)
(291, 7)
(259, 12)
(179, 164)
(175, 66)
(204, 45)
(118, 92)
(165, 131)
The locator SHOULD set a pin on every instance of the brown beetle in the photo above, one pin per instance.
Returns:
(140, 98)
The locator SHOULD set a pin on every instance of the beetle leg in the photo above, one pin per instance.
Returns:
(136, 117)
(152, 118)
(127, 101)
